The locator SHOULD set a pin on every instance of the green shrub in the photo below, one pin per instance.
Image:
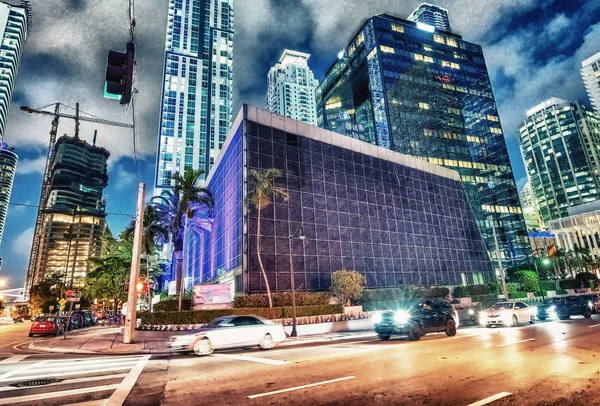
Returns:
(548, 285)
(172, 305)
(569, 284)
(347, 285)
(512, 287)
(281, 299)
(434, 292)
(474, 290)
(561, 292)
(517, 295)
(587, 279)
(204, 316)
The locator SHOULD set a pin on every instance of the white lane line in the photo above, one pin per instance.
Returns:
(89, 367)
(516, 342)
(491, 399)
(253, 359)
(300, 387)
(50, 374)
(594, 325)
(90, 403)
(14, 359)
(16, 371)
(69, 381)
(81, 361)
(49, 395)
(118, 397)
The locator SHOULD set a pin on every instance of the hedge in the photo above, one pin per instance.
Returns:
(171, 305)
(380, 299)
(517, 295)
(204, 316)
(569, 284)
(548, 285)
(281, 299)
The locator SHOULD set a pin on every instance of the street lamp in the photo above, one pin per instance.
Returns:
(300, 234)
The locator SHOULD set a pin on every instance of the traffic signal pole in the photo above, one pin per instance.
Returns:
(130, 317)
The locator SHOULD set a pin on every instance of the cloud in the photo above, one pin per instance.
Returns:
(124, 179)
(28, 166)
(21, 246)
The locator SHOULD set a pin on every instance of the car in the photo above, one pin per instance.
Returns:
(594, 300)
(573, 306)
(47, 325)
(79, 317)
(546, 310)
(507, 314)
(416, 319)
(229, 332)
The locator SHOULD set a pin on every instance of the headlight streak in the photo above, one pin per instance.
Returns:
(401, 316)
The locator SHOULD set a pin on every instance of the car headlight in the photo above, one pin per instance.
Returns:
(590, 304)
(552, 308)
(471, 312)
(401, 316)
(377, 318)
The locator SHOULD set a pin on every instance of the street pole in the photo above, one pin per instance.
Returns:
(301, 236)
(130, 318)
(500, 263)
(537, 271)
(68, 319)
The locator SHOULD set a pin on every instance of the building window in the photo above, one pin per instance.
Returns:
(438, 38)
(397, 27)
(389, 50)
(451, 42)
(423, 105)
(427, 132)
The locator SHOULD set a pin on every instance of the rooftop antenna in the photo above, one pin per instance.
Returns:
(95, 134)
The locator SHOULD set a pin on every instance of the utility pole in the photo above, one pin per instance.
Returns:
(130, 318)
(500, 263)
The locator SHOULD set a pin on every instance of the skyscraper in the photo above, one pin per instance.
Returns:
(531, 208)
(74, 216)
(427, 93)
(291, 88)
(197, 95)
(560, 143)
(431, 15)
(590, 72)
(8, 166)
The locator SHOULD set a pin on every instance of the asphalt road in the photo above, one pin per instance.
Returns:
(549, 363)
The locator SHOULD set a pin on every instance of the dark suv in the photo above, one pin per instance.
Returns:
(594, 300)
(416, 319)
(573, 306)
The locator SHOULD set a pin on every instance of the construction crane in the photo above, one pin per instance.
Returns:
(33, 258)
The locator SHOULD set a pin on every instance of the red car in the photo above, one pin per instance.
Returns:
(47, 325)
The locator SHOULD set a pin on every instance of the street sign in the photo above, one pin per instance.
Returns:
(62, 302)
(51, 307)
(73, 296)
(61, 307)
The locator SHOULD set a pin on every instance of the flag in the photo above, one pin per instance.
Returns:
(552, 250)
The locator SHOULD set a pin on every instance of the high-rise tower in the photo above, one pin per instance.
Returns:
(426, 92)
(431, 15)
(8, 166)
(590, 72)
(197, 95)
(291, 88)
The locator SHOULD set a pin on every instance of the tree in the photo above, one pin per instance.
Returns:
(45, 294)
(347, 285)
(587, 279)
(260, 197)
(528, 280)
(177, 208)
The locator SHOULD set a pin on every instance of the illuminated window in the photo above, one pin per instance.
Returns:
(495, 130)
(446, 64)
(397, 27)
(387, 49)
(427, 48)
(438, 38)
(334, 105)
(427, 132)
(447, 86)
(423, 105)
(492, 118)
(428, 59)
(360, 39)
(454, 65)
(372, 53)
(453, 110)
(418, 57)
(451, 42)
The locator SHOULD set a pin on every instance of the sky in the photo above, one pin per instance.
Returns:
(533, 50)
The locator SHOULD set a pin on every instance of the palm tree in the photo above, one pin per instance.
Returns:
(152, 232)
(177, 208)
(260, 197)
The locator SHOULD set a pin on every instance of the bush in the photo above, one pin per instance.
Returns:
(569, 284)
(517, 295)
(347, 285)
(434, 292)
(561, 292)
(172, 305)
(281, 299)
(548, 285)
(512, 287)
(204, 316)
(587, 279)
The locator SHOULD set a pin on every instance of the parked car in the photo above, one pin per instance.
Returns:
(573, 306)
(547, 310)
(47, 325)
(594, 300)
(229, 332)
(417, 319)
(508, 314)
(79, 318)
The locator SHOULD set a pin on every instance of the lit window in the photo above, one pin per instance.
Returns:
(427, 132)
(492, 118)
(372, 53)
(428, 59)
(334, 105)
(423, 105)
(418, 57)
(454, 65)
(389, 50)
(397, 27)
(438, 38)
(446, 64)
(360, 39)
(495, 130)
(427, 48)
(451, 42)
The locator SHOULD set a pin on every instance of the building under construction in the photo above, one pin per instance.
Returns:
(73, 215)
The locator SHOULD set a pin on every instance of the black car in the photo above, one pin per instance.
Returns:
(594, 300)
(416, 319)
(573, 306)
(547, 310)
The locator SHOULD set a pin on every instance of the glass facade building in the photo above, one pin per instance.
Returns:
(396, 219)
(197, 88)
(8, 167)
(431, 15)
(427, 93)
(560, 144)
(590, 73)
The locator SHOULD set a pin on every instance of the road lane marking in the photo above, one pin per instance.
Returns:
(120, 395)
(516, 342)
(253, 359)
(14, 359)
(68, 381)
(97, 359)
(310, 385)
(49, 395)
(50, 374)
(491, 399)
(6, 376)
(594, 325)
(87, 366)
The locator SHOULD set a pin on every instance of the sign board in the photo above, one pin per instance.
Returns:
(73, 296)
(50, 307)
(61, 307)
(172, 288)
(62, 302)
(213, 294)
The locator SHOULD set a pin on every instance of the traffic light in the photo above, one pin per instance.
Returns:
(142, 286)
(119, 74)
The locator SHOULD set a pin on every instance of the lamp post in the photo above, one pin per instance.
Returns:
(502, 278)
(300, 234)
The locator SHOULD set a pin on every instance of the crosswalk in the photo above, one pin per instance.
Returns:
(93, 381)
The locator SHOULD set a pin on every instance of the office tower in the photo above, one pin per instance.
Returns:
(74, 216)
(560, 144)
(291, 88)
(590, 72)
(196, 96)
(531, 209)
(427, 93)
(395, 219)
(8, 166)
(15, 26)
(431, 15)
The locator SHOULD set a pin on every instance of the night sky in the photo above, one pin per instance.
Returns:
(533, 50)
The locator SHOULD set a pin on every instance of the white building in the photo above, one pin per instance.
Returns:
(197, 94)
(590, 72)
(8, 166)
(581, 228)
(531, 209)
(291, 88)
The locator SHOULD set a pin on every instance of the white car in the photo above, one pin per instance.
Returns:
(229, 332)
(507, 314)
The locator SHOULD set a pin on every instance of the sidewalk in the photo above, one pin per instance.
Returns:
(108, 340)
